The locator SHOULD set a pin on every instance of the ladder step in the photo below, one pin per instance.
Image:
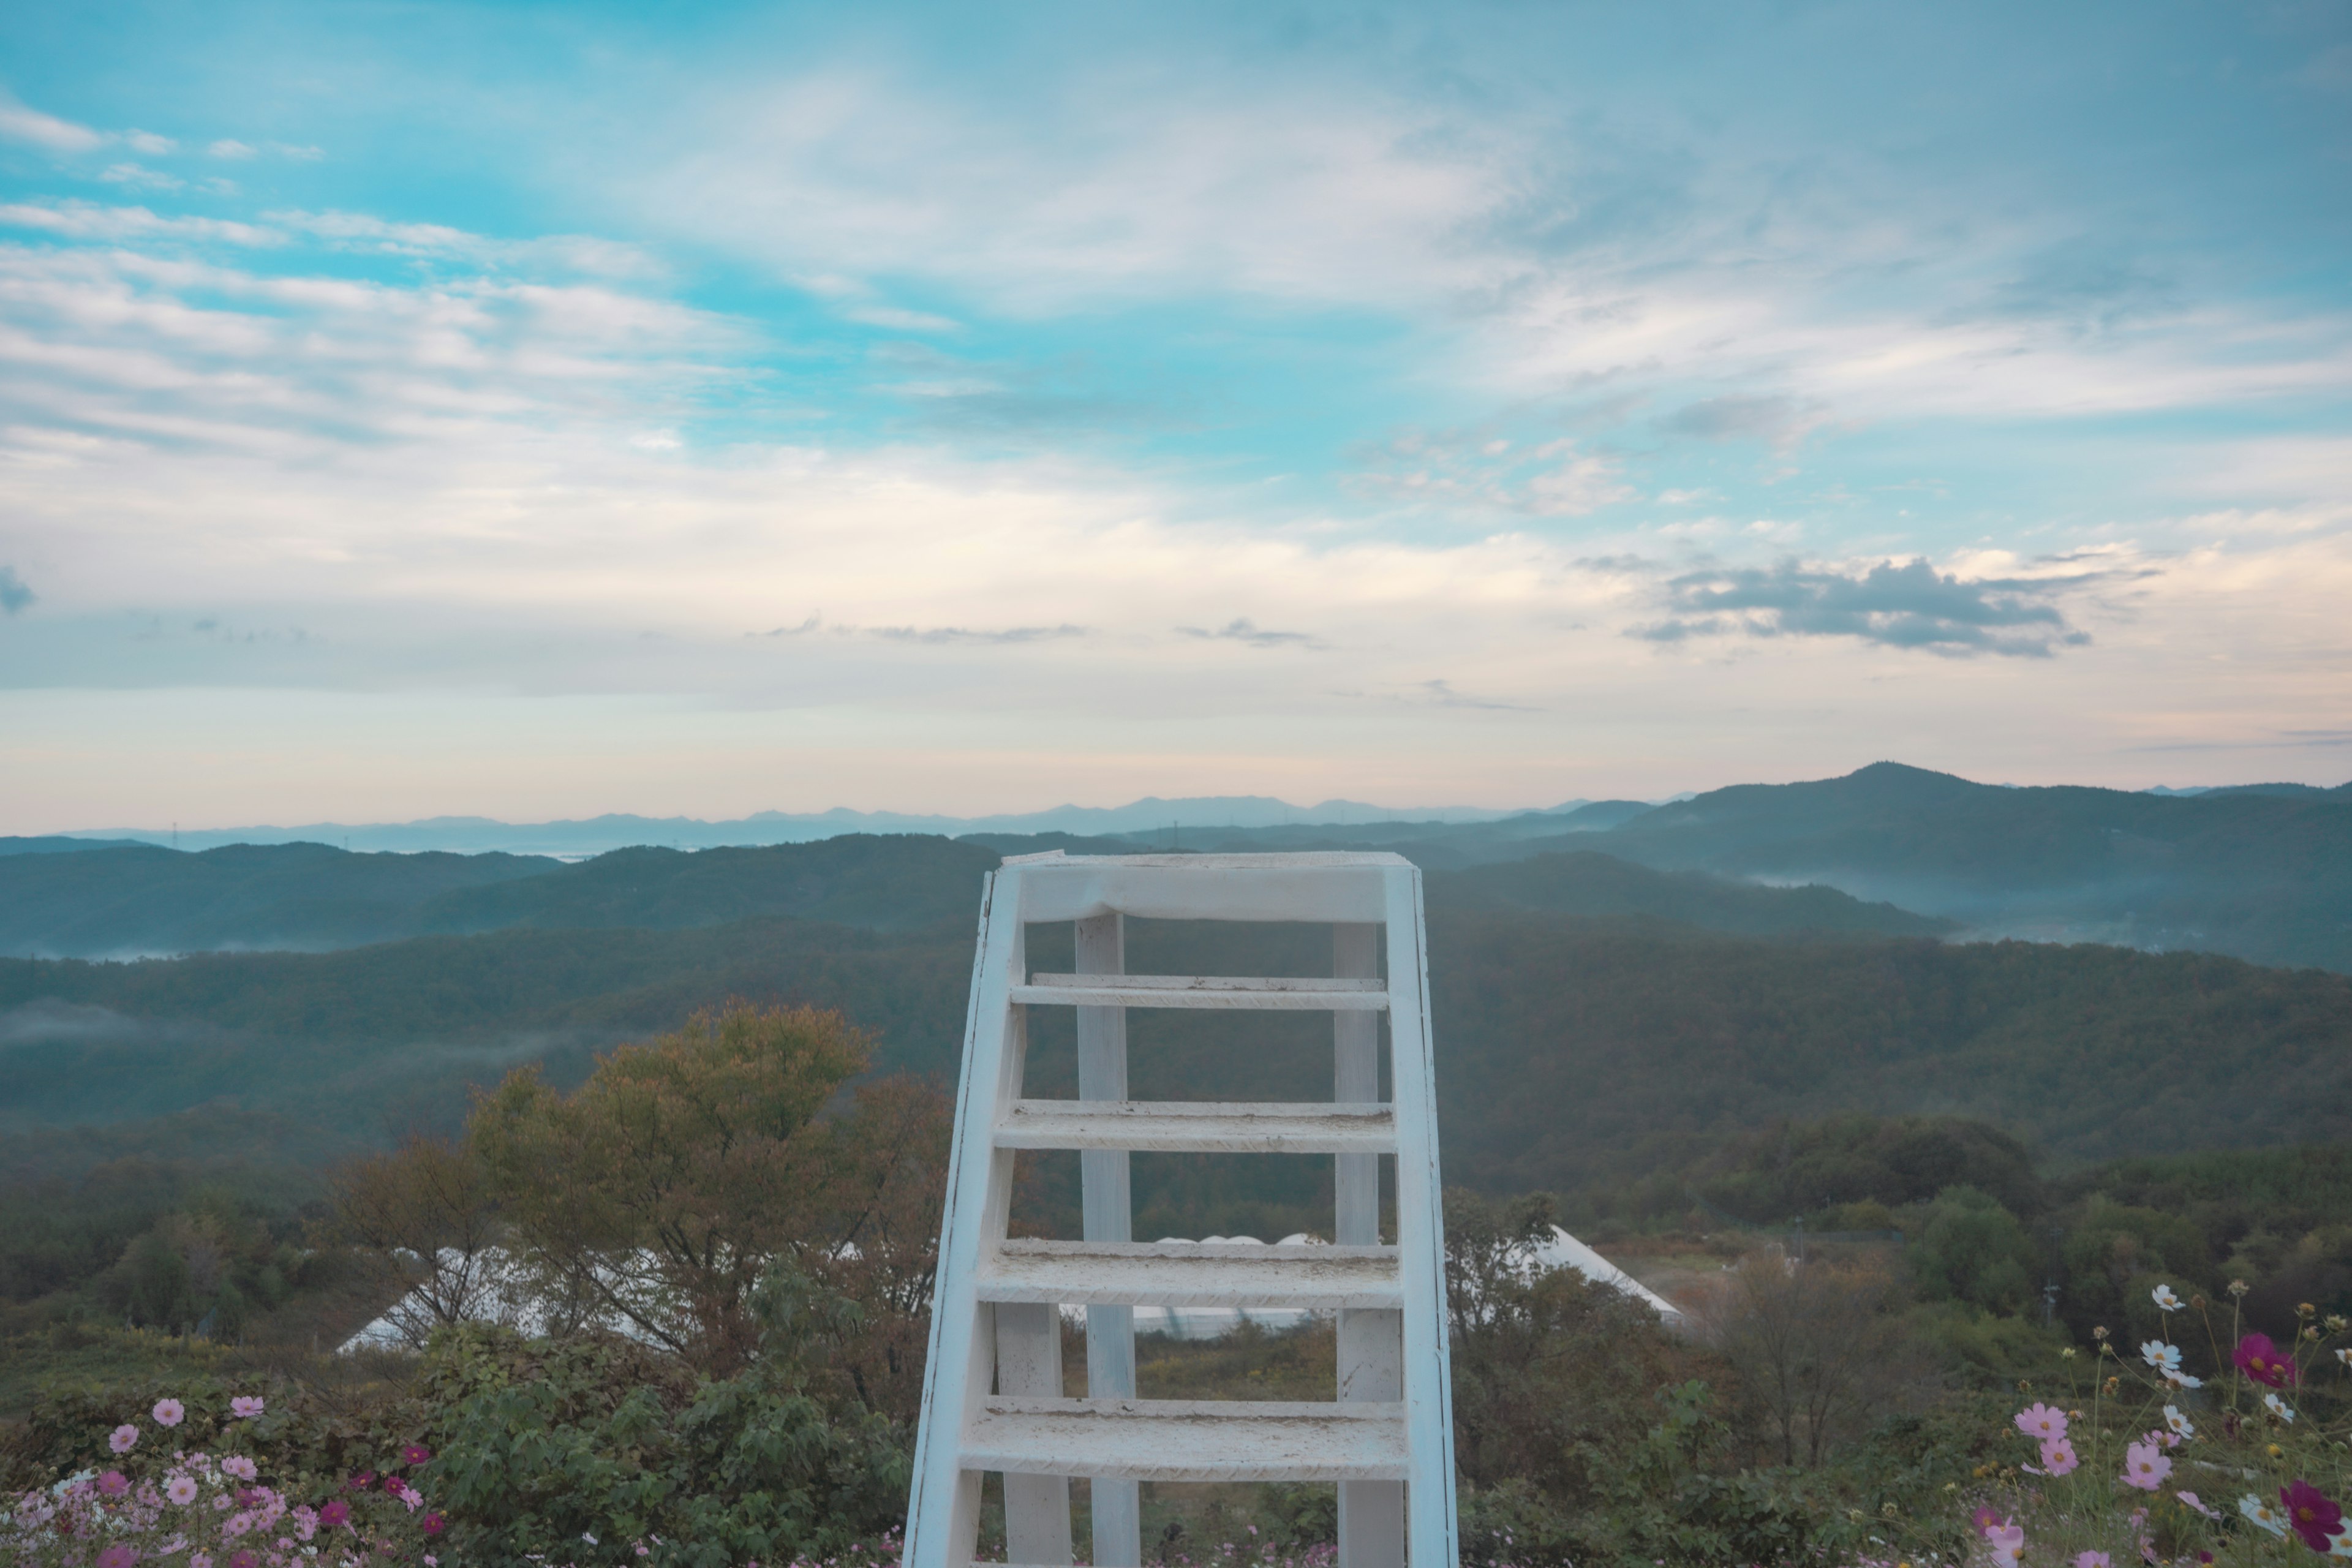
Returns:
(1207, 1127)
(1189, 1440)
(1203, 991)
(1192, 1274)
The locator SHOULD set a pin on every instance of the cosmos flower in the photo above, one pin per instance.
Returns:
(245, 1407)
(2182, 1380)
(2179, 1423)
(169, 1413)
(181, 1490)
(2144, 1466)
(2190, 1500)
(2260, 1359)
(118, 1556)
(2042, 1421)
(2161, 1356)
(433, 1524)
(122, 1438)
(414, 1454)
(2263, 1514)
(2309, 1514)
(334, 1512)
(241, 1466)
(2277, 1407)
(114, 1483)
(2007, 1543)
(2058, 1456)
(2164, 1300)
(2093, 1560)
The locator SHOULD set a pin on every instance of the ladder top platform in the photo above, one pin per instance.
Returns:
(1313, 885)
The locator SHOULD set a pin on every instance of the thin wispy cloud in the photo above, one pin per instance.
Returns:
(1250, 635)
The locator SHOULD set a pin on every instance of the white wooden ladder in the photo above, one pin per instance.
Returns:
(993, 1390)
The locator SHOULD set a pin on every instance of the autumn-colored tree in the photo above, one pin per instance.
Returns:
(1818, 1344)
(426, 1212)
(661, 1191)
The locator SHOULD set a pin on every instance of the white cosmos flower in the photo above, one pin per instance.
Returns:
(2161, 1356)
(2263, 1514)
(2164, 1300)
(2179, 1379)
(2278, 1407)
(2344, 1355)
(2177, 1422)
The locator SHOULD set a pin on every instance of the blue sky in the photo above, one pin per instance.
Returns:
(545, 410)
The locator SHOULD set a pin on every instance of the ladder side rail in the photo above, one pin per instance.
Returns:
(1370, 1340)
(1431, 1530)
(944, 1502)
(1107, 1201)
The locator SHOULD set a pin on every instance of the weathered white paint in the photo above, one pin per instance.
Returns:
(1114, 1506)
(1391, 1422)
(1198, 1127)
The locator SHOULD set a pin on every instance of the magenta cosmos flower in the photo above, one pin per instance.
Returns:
(414, 1454)
(170, 1412)
(334, 1512)
(2260, 1359)
(114, 1483)
(118, 1556)
(2310, 1515)
(433, 1524)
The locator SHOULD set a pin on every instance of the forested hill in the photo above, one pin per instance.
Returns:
(1571, 1048)
(309, 897)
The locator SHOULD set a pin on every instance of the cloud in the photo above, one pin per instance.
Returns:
(139, 177)
(1247, 634)
(936, 635)
(1550, 478)
(89, 220)
(1442, 694)
(895, 320)
(19, 123)
(14, 594)
(228, 148)
(1781, 421)
(1907, 606)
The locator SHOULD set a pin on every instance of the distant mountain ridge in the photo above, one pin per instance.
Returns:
(596, 835)
(142, 900)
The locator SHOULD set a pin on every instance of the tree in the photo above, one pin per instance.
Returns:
(427, 1211)
(661, 1192)
(1815, 1343)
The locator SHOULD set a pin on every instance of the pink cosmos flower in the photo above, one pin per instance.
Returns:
(122, 1437)
(2310, 1515)
(245, 1407)
(2260, 1359)
(2007, 1543)
(2093, 1560)
(220, 1502)
(415, 1454)
(2039, 1421)
(114, 1483)
(200, 1560)
(241, 1466)
(1983, 1520)
(245, 1559)
(2189, 1500)
(181, 1490)
(118, 1556)
(2058, 1456)
(2144, 1466)
(169, 1413)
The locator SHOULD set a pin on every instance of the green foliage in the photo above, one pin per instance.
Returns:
(1972, 1249)
(543, 1444)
